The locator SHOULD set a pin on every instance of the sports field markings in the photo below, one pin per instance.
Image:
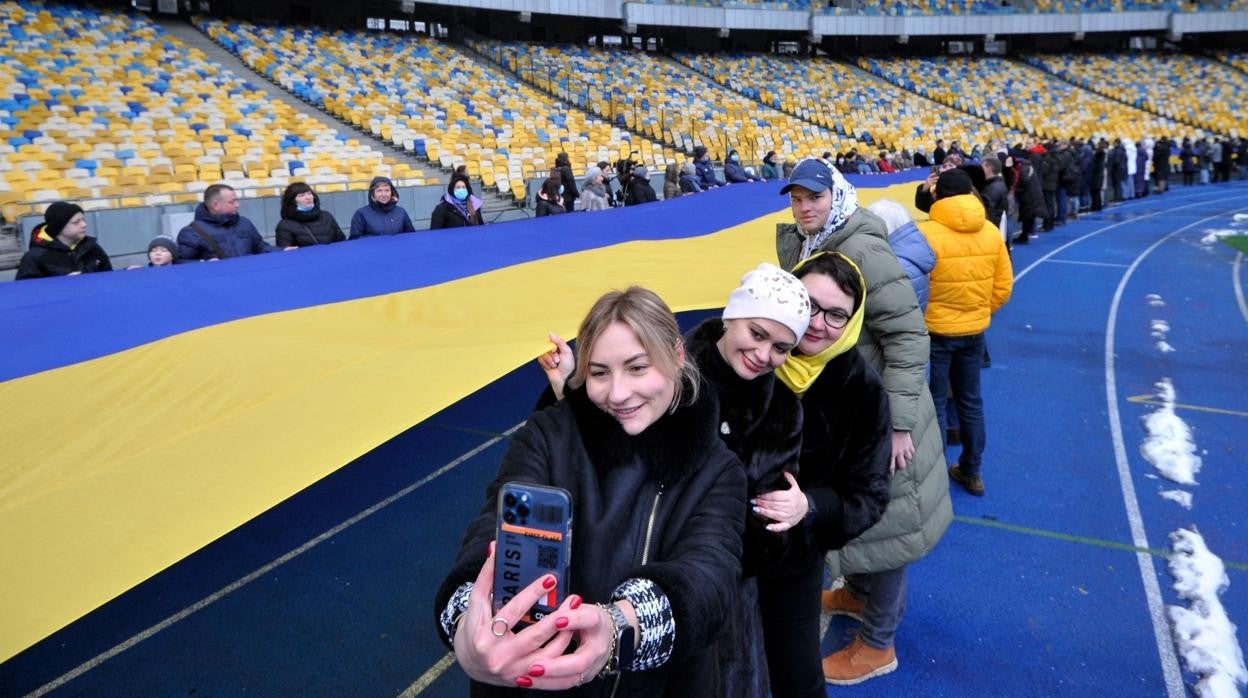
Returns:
(1148, 573)
(1239, 286)
(1084, 540)
(248, 579)
(426, 679)
(1048, 256)
(1090, 264)
(1151, 399)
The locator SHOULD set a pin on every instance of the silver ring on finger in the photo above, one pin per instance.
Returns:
(494, 624)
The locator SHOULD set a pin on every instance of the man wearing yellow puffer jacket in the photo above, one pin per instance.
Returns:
(971, 280)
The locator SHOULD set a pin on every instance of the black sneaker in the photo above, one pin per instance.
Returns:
(973, 484)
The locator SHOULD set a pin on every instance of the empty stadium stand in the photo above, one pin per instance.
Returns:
(108, 109)
(837, 96)
(1017, 96)
(1192, 89)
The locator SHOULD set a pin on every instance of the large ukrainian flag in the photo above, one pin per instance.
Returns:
(145, 414)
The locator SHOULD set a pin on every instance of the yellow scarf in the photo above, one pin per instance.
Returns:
(799, 372)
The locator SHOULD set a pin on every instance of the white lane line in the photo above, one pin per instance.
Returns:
(1239, 285)
(244, 581)
(429, 676)
(1148, 573)
(1089, 264)
(1019, 276)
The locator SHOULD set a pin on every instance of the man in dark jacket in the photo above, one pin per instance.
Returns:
(1099, 158)
(1030, 195)
(218, 231)
(938, 155)
(639, 189)
(1050, 176)
(995, 194)
(1087, 153)
(60, 246)
(1161, 165)
(706, 171)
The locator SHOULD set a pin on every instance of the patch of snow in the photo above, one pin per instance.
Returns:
(1205, 636)
(1164, 347)
(1168, 445)
(1183, 499)
(1212, 235)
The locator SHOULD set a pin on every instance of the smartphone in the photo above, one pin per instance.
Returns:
(534, 537)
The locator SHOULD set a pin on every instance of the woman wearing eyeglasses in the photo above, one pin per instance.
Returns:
(893, 340)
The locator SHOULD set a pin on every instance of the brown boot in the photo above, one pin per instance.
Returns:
(857, 663)
(841, 602)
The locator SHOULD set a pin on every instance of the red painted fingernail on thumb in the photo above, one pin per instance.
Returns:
(537, 670)
(561, 623)
(524, 682)
(548, 583)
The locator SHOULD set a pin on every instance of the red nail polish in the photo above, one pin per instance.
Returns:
(524, 682)
(561, 623)
(575, 602)
(548, 583)
(537, 670)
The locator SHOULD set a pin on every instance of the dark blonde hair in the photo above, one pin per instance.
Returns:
(643, 312)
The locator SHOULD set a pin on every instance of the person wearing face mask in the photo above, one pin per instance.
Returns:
(60, 246)
(658, 504)
(550, 198)
(734, 172)
(383, 215)
(303, 222)
(594, 194)
(458, 207)
(894, 342)
(704, 168)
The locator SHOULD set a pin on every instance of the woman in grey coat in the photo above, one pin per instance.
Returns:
(894, 342)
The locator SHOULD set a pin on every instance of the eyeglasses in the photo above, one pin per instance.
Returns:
(832, 317)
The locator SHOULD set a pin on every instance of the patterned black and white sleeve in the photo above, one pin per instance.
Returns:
(654, 619)
(454, 609)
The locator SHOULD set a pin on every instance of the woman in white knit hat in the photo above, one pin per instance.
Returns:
(761, 422)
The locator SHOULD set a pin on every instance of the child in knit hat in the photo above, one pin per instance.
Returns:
(162, 251)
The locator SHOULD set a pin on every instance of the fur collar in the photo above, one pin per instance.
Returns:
(672, 448)
(742, 403)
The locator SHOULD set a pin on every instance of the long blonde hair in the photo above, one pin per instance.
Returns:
(643, 312)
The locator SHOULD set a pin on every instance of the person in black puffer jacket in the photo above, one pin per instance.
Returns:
(658, 504)
(458, 208)
(549, 200)
(639, 189)
(303, 222)
(60, 246)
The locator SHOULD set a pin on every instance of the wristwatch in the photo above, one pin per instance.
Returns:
(622, 646)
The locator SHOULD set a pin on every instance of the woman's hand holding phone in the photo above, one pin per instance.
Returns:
(490, 652)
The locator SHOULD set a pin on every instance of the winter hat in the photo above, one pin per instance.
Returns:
(689, 169)
(953, 183)
(768, 291)
(640, 171)
(699, 151)
(450, 188)
(165, 242)
(57, 216)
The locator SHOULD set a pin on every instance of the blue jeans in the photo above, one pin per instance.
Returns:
(885, 597)
(956, 362)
